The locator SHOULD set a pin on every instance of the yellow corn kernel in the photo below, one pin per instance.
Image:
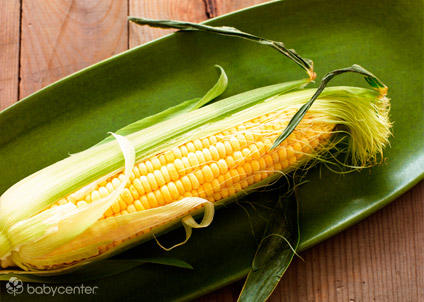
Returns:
(116, 208)
(159, 197)
(170, 156)
(149, 166)
(220, 147)
(180, 187)
(139, 187)
(95, 195)
(192, 159)
(160, 179)
(165, 174)
(205, 142)
(177, 153)
(194, 182)
(197, 144)
(145, 202)
(103, 192)
(228, 148)
(152, 200)
(138, 205)
(108, 213)
(172, 172)
(152, 181)
(173, 190)
(215, 169)
(166, 194)
(145, 183)
(184, 151)
(131, 209)
(186, 183)
(222, 165)
(214, 153)
(162, 160)
(212, 140)
(207, 173)
(191, 147)
(268, 160)
(142, 168)
(127, 197)
(207, 155)
(200, 157)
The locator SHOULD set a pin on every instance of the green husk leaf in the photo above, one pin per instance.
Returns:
(275, 251)
(84, 248)
(215, 91)
(95, 271)
(306, 64)
(60, 225)
(369, 77)
(169, 113)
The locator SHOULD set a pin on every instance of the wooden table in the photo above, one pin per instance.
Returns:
(380, 259)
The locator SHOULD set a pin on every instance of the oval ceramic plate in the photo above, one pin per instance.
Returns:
(78, 111)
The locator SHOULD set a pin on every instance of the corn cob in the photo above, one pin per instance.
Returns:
(213, 167)
(213, 154)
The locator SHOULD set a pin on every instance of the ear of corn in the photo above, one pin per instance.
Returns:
(41, 189)
(212, 154)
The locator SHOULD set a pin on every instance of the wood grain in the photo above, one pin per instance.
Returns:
(187, 10)
(225, 6)
(9, 51)
(379, 259)
(62, 36)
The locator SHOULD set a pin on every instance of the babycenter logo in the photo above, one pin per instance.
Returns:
(15, 286)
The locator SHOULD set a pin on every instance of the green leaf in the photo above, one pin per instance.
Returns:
(215, 91)
(275, 251)
(232, 32)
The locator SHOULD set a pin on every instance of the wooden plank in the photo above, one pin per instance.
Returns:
(221, 7)
(229, 293)
(9, 51)
(187, 10)
(60, 37)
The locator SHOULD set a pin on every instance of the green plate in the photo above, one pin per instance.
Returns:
(384, 36)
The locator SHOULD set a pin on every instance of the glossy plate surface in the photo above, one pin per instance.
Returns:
(78, 111)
